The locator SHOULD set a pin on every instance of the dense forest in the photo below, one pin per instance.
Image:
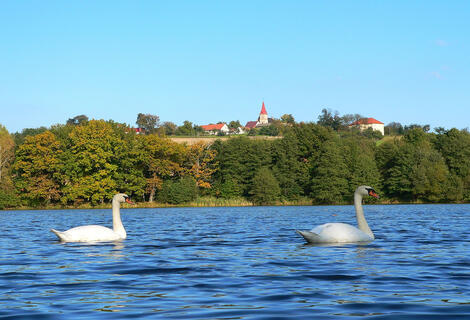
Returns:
(85, 162)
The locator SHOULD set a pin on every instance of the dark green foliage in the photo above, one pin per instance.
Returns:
(290, 167)
(230, 188)
(329, 175)
(359, 154)
(19, 137)
(330, 119)
(393, 129)
(270, 130)
(265, 188)
(8, 199)
(178, 192)
(241, 158)
(454, 146)
(234, 124)
(148, 122)
(78, 120)
(186, 129)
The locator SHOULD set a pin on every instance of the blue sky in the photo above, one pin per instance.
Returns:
(210, 61)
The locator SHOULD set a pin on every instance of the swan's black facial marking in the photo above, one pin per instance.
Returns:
(372, 193)
(126, 198)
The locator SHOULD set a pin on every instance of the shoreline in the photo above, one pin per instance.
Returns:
(211, 204)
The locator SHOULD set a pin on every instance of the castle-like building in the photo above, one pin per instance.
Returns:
(263, 119)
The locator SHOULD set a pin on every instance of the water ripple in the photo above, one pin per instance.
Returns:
(238, 263)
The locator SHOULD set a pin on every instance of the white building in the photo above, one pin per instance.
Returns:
(366, 123)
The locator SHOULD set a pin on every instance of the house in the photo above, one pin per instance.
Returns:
(251, 124)
(215, 128)
(238, 130)
(263, 119)
(366, 123)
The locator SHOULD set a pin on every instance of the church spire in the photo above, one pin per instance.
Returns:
(263, 116)
(263, 110)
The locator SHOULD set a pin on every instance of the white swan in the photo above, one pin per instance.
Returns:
(94, 233)
(342, 232)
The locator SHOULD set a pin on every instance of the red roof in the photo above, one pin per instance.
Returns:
(366, 121)
(263, 109)
(251, 124)
(211, 127)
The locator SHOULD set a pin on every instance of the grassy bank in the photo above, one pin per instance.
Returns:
(203, 202)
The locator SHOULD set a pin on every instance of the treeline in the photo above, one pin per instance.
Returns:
(88, 162)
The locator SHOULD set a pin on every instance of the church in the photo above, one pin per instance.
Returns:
(263, 119)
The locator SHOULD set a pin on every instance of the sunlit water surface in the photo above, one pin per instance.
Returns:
(238, 263)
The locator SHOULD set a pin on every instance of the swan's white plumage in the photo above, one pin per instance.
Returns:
(91, 233)
(342, 232)
(95, 233)
(335, 232)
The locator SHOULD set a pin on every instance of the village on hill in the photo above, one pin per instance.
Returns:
(265, 121)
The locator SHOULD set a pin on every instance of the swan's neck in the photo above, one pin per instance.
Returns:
(361, 220)
(117, 223)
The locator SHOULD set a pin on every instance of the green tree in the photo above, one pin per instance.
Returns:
(169, 128)
(330, 119)
(149, 122)
(329, 176)
(128, 156)
(265, 189)
(234, 124)
(414, 170)
(241, 157)
(20, 137)
(230, 188)
(179, 191)
(290, 167)
(186, 129)
(359, 154)
(78, 120)
(454, 146)
(287, 118)
(394, 128)
(270, 130)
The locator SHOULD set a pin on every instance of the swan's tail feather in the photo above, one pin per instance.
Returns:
(310, 237)
(59, 234)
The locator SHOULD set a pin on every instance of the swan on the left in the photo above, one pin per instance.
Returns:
(95, 233)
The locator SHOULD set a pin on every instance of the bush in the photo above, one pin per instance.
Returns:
(8, 199)
(230, 188)
(178, 192)
(265, 189)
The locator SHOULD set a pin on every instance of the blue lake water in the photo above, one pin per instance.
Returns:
(238, 263)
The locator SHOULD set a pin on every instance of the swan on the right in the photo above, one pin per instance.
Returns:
(342, 232)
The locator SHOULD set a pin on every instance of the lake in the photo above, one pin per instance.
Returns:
(238, 263)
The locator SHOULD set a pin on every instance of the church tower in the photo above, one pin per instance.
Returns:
(263, 116)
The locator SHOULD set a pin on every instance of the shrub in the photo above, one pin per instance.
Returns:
(178, 192)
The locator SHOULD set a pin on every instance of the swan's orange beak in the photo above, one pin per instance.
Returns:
(129, 201)
(372, 193)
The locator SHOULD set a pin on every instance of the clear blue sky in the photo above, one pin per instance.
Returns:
(210, 61)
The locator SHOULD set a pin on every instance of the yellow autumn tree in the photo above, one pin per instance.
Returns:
(37, 168)
(162, 159)
(200, 163)
(90, 162)
(6, 151)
